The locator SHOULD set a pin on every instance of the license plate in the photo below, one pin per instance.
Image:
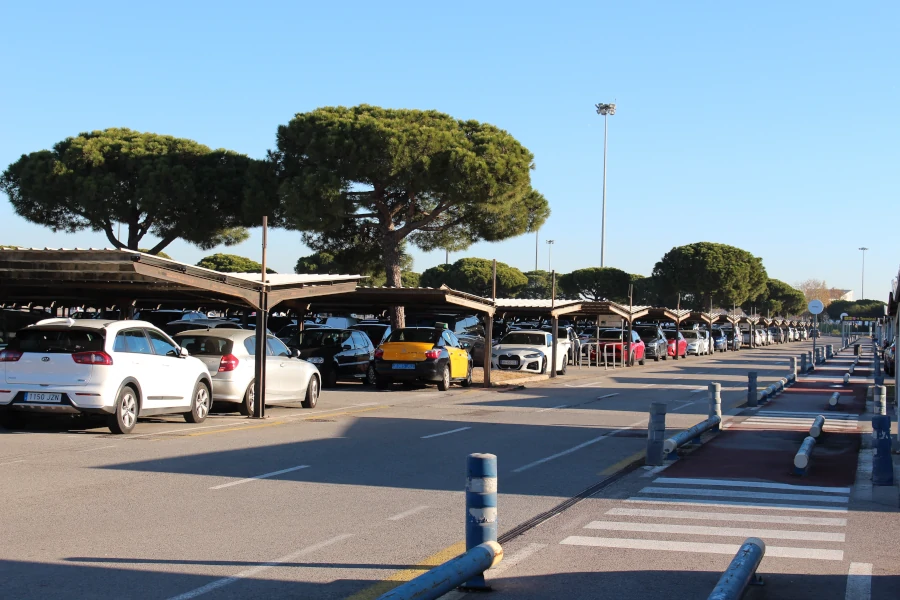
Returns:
(403, 366)
(510, 363)
(42, 397)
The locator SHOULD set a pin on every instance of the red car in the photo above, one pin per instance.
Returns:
(682, 343)
(612, 339)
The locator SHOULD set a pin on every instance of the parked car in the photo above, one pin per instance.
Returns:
(339, 354)
(176, 327)
(290, 330)
(120, 369)
(160, 318)
(719, 340)
(568, 332)
(530, 350)
(230, 359)
(889, 358)
(654, 341)
(673, 338)
(425, 354)
(610, 346)
(376, 332)
(734, 339)
(468, 329)
(696, 342)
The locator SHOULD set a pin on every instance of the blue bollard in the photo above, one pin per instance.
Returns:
(481, 508)
(443, 578)
(741, 572)
(882, 465)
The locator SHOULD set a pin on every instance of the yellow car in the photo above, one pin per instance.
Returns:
(429, 354)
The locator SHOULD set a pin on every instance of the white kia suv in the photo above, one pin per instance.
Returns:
(122, 369)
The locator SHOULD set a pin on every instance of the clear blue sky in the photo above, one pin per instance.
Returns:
(771, 126)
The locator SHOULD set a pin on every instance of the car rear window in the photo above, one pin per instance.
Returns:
(611, 334)
(57, 341)
(205, 345)
(528, 339)
(425, 336)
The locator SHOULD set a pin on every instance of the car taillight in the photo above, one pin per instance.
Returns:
(92, 358)
(229, 362)
(379, 353)
(432, 354)
(10, 356)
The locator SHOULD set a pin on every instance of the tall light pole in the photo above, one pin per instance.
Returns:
(605, 110)
(862, 292)
(536, 240)
(550, 256)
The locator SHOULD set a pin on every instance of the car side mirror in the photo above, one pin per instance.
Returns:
(182, 352)
(346, 347)
(465, 345)
(295, 353)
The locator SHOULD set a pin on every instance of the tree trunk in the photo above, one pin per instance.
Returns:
(391, 254)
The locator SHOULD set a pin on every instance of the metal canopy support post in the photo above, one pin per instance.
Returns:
(630, 323)
(262, 319)
(555, 321)
(489, 331)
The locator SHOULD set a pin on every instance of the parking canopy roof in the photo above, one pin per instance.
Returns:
(373, 300)
(73, 277)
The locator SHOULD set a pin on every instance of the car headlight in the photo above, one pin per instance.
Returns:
(534, 355)
(316, 360)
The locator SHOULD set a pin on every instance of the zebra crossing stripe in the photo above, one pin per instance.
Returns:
(699, 547)
(743, 494)
(743, 532)
(720, 516)
(778, 413)
(731, 503)
(752, 484)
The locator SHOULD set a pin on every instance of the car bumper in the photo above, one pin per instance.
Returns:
(528, 365)
(229, 390)
(85, 399)
(426, 370)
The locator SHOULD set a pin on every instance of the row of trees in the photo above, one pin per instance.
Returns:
(361, 179)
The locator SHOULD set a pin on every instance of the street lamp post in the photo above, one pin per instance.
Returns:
(605, 110)
(862, 291)
(550, 256)
(536, 239)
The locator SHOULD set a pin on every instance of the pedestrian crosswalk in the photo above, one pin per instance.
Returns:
(796, 421)
(698, 515)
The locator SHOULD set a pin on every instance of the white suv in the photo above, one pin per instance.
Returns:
(122, 369)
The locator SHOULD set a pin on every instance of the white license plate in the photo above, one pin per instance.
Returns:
(42, 397)
(403, 366)
(509, 363)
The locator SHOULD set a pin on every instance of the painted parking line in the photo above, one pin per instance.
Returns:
(97, 448)
(744, 532)
(859, 582)
(578, 447)
(553, 408)
(408, 513)
(434, 435)
(699, 547)
(515, 558)
(402, 576)
(607, 396)
(220, 583)
(263, 476)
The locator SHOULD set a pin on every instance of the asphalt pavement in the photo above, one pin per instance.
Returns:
(367, 490)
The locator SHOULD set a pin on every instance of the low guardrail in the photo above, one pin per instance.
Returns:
(804, 456)
(741, 572)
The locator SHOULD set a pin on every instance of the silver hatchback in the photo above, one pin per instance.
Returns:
(229, 355)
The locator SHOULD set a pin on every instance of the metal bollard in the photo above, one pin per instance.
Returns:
(443, 578)
(809, 361)
(741, 572)
(803, 366)
(656, 434)
(829, 351)
(882, 465)
(880, 398)
(801, 459)
(794, 366)
(715, 403)
(834, 400)
(856, 350)
(818, 425)
(751, 388)
(481, 507)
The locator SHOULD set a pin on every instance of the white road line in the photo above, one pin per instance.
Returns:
(731, 549)
(409, 513)
(717, 516)
(516, 558)
(98, 448)
(434, 435)
(12, 462)
(768, 419)
(594, 382)
(219, 583)
(751, 484)
(263, 476)
(576, 448)
(859, 582)
(744, 532)
(729, 504)
(553, 408)
(654, 471)
(742, 494)
(607, 396)
(779, 413)
(648, 385)
(680, 406)
(698, 390)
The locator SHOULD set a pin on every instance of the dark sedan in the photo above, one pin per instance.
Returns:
(340, 354)
(654, 341)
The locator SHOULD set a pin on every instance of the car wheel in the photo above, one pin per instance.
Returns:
(370, 375)
(124, 418)
(643, 360)
(312, 393)
(246, 406)
(564, 368)
(382, 383)
(330, 377)
(467, 382)
(444, 383)
(656, 358)
(200, 404)
(544, 366)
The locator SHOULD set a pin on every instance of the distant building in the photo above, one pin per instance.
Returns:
(836, 294)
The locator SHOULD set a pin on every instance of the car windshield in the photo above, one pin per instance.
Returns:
(204, 345)
(670, 335)
(611, 334)
(421, 336)
(375, 332)
(647, 334)
(524, 339)
(316, 338)
(690, 335)
(57, 341)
